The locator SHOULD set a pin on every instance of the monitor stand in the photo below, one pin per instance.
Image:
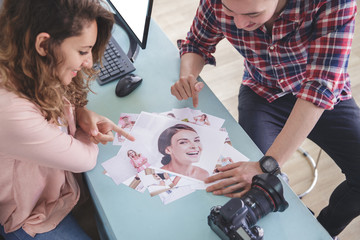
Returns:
(134, 47)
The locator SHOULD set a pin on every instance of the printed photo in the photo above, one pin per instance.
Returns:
(198, 117)
(229, 155)
(135, 183)
(169, 114)
(227, 140)
(126, 122)
(169, 187)
(173, 152)
(181, 147)
(158, 181)
(128, 163)
(175, 193)
(186, 149)
(185, 114)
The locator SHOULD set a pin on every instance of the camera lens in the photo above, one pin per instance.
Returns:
(265, 196)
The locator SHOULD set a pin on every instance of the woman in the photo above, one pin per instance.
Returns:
(47, 49)
(138, 161)
(202, 120)
(181, 147)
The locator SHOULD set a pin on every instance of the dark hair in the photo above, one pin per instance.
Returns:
(34, 77)
(161, 175)
(165, 140)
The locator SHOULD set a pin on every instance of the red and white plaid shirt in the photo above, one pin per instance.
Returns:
(307, 53)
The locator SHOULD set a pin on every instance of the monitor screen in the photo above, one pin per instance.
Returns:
(135, 17)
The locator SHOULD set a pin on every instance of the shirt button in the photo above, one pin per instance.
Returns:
(281, 80)
(271, 48)
(277, 65)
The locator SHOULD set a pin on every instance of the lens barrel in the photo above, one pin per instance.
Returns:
(265, 196)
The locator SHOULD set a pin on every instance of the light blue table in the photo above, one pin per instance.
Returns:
(128, 214)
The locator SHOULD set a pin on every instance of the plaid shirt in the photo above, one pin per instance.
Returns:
(307, 53)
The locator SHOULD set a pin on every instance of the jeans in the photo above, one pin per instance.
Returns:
(337, 132)
(68, 229)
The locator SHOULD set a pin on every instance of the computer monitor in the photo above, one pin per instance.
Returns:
(134, 17)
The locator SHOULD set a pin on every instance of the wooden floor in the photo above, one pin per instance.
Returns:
(175, 17)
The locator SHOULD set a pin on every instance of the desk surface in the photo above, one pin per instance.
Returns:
(128, 214)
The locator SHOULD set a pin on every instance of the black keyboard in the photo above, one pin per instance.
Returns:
(116, 64)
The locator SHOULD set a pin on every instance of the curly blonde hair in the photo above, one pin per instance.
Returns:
(34, 77)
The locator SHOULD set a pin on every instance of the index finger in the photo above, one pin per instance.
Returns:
(194, 94)
(122, 132)
(195, 97)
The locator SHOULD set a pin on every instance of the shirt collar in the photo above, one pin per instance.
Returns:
(292, 11)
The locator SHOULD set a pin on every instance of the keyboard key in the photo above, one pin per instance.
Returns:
(116, 64)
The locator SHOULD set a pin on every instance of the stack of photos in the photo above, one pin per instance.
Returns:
(173, 152)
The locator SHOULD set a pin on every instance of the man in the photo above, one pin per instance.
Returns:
(295, 85)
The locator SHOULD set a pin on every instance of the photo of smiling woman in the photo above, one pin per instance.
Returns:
(181, 147)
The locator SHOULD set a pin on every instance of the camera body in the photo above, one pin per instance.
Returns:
(237, 218)
(229, 222)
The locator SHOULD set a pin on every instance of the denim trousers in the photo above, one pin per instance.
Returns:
(337, 132)
(68, 229)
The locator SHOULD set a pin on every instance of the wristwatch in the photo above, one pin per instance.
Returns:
(269, 165)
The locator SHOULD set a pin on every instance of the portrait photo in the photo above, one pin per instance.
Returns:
(178, 147)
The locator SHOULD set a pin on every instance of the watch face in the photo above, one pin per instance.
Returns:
(269, 164)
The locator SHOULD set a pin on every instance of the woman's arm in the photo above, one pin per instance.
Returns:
(144, 160)
(98, 127)
(133, 163)
(28, 136)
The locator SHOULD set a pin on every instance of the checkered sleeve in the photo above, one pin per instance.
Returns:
(203, 35)
(328, 53)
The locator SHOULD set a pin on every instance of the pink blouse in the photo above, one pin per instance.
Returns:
(37, 158)
(140, 163)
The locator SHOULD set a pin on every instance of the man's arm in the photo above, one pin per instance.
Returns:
(239, 175)
(301, 121)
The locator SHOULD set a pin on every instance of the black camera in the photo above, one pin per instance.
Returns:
(237, 218)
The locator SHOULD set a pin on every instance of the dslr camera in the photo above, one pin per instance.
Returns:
(237, 218)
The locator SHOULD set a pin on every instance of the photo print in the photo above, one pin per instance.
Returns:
(126, 122)
(167, 186)
(229, 155)
(173, 152)
(186, 149)
(186, 114)
(130, 160)
(135, 183)
(198, 117)
(169, 114)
